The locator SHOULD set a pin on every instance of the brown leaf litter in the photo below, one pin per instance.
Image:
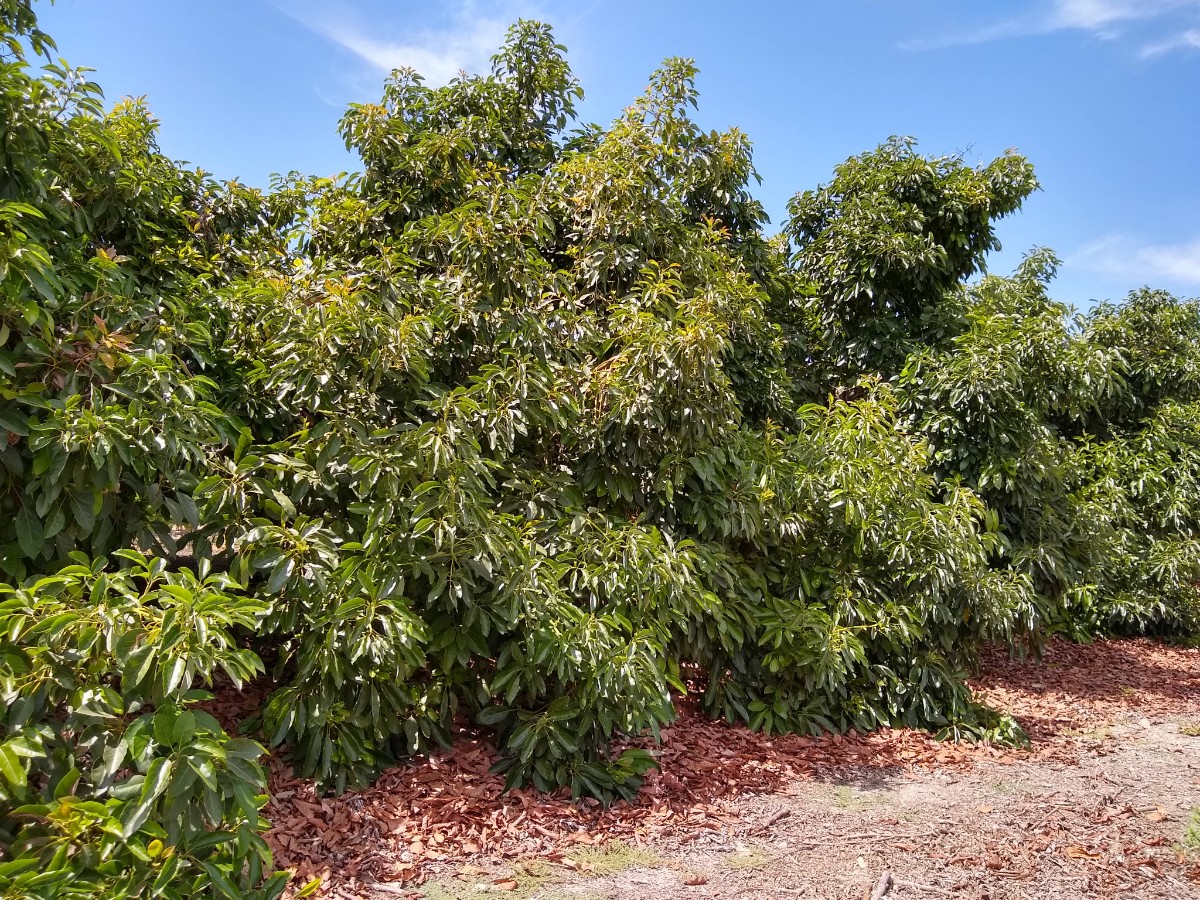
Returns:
(448, 808)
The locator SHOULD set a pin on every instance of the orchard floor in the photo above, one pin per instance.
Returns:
(1105, 804)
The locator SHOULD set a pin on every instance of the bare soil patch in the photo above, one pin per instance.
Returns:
(1100, 806)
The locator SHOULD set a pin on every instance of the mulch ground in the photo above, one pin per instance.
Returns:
(449, 809)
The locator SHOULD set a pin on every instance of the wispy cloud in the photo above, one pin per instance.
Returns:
(1145, 263)
(1097, 15)
(438, 55)
(1105, 19)
(1187, 40)
(465, 42)
(996, 32)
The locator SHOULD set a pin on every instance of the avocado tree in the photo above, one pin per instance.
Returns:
(112, 781)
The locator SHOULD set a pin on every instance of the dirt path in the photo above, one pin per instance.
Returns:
(1111, 825)
(1101, 806)
(1105, 827)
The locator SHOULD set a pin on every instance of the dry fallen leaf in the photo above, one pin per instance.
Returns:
(1159, 815)
(695, 880)
(505, 884)
(456, 795)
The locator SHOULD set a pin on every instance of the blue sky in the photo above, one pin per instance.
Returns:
(1102, 95)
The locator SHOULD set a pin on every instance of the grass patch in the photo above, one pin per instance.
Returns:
(613, 857)
(846, 797)
(454, 889)
(1010, 788)
(748, 858)
(538, 878)
(534, 878)
(1100, 733)
(1191, 835)
(1191, 729)
(528, 888)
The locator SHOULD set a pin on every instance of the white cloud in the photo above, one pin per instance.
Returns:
(466, 42)
(998, 32)
(1096, 15)
(1100, 18)
(1187, 40)
(437, 55)
(1127, 257)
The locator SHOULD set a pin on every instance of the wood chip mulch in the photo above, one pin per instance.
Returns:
(448, 807)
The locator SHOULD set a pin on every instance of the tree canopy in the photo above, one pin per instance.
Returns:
(534, 424)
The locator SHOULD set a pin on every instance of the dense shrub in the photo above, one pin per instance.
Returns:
(525, 423)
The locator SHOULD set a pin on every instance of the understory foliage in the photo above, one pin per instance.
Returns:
(532, 425)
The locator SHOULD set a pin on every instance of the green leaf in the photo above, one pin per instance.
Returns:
(184, 729)
(40, 284)
(11, 769)
(66, 784)
(220, 879)
(29, 533)
(83, 509)
(12, 420)
(135, 813)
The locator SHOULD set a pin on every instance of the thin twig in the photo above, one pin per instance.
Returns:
(869, 836)
(923, 888)
(772, 819)
(385, 888)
